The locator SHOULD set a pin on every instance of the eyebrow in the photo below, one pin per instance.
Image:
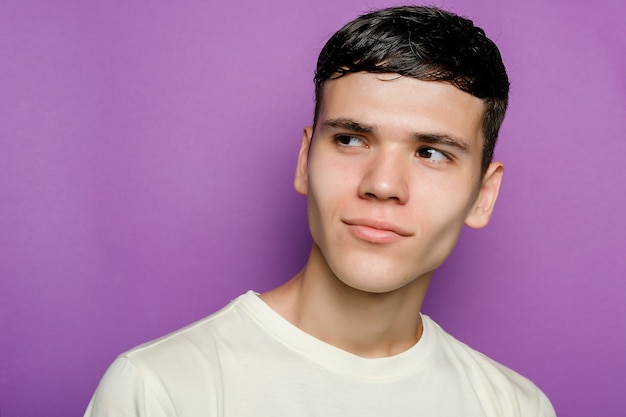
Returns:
(348, 124)
(443, 139)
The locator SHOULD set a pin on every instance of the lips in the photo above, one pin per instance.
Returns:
(376, 231)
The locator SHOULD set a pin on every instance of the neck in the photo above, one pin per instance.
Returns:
(364, 323)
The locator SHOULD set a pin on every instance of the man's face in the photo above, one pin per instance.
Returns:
(392, 172)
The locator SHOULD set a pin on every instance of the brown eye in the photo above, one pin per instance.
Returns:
(345, 140)
(432, 154)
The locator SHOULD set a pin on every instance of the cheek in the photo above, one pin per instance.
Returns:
(443, 203)
(331, 195)
(330, 184)
(320, 203)
(322, 200)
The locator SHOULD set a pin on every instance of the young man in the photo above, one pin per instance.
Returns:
(409, 104)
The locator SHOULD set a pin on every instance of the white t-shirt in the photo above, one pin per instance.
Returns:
(247, 360)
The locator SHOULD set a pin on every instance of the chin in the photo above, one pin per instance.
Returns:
(373, 280)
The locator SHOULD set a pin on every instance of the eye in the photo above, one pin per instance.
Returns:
(432, 155)
(349, 141)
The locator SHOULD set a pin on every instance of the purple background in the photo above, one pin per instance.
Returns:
(146, 159)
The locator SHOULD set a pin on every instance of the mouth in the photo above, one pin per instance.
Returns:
(376, 231)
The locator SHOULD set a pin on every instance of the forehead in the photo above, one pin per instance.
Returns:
(403, 105)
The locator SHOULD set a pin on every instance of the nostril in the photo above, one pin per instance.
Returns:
(374, 196)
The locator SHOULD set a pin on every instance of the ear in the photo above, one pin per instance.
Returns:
(486, 199)
(300, 182)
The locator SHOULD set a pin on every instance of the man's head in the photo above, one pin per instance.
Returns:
(425, 43)
(409, 102)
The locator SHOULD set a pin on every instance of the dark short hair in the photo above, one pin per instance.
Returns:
(425, 43)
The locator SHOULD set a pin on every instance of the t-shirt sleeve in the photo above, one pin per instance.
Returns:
(545, 406)
(124, 392)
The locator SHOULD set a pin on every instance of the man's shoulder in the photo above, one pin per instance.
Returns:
(192, 343)
(179, 371)
(489, 379)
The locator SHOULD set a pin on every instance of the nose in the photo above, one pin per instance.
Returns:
(385, 178)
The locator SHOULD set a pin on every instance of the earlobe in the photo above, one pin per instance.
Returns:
(300, 181)
(482, 209)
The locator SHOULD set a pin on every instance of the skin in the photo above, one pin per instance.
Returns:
(392, 172)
